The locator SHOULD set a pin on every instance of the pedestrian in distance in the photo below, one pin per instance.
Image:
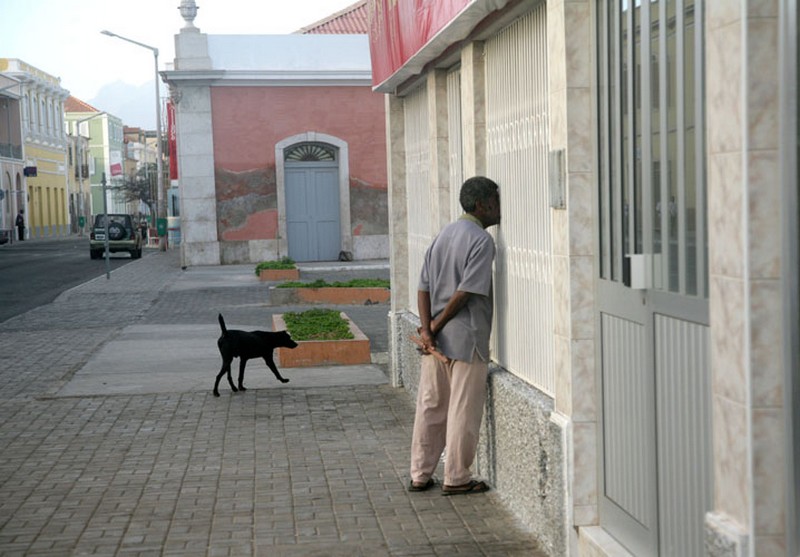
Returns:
(21, 225)
(454, 299)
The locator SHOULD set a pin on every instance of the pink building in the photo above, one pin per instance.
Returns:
(280, 145)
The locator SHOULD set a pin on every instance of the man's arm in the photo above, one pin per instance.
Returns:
(456, 302)
(430, 327)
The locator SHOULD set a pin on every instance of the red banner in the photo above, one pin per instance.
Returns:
(172, 142)
(398, 29)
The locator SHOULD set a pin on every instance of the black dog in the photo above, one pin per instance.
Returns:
(246, 345)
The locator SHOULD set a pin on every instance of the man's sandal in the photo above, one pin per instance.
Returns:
(474, 486)
(421, 487)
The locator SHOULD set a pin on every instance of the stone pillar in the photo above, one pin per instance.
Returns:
(195, 140)
(473, 110)
(398, 229)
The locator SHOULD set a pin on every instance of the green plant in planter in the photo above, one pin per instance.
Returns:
(282, 263)
(354, 283)
(317, 324)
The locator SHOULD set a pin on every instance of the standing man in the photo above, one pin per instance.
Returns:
(455, 305)
(21, 225)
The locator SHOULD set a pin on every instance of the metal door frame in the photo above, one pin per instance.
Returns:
(790, 134)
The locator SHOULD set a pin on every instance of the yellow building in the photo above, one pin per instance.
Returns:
(45, 187)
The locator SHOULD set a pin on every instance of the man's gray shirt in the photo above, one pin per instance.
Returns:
(460, 258)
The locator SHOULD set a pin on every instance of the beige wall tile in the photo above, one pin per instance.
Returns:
(730, 460)
(556, 39)
(769, 472)
(563, 377)
(582, 296)
(766, 356)
(578, 29)
(585, 461)
(561, 288)
(725, 215)
(585, 515)
(722, 12)
(560, 229)
(584, 389)
(558, 121)
(580, 153)
(764, 206)
(763, 80)
(770, 546)
(580, 204)
(728, 338)
(723, 89)
(763, 8)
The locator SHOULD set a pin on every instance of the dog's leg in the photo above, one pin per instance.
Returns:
(271, 365)
(226, 368)
(242, 363)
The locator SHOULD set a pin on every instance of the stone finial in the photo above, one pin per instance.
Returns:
(188, 9)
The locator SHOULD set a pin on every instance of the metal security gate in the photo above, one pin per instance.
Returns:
(455, 145)
(517, 130)
(652, 288)
(312, 210)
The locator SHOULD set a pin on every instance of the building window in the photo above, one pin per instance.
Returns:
(310, 152)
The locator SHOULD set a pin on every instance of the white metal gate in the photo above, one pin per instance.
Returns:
(517, 131)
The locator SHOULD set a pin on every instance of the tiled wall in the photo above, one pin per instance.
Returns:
(570, 50)
(742, 80)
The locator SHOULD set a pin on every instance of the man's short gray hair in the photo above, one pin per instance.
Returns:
(477, 188)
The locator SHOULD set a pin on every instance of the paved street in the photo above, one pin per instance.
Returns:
(34, 272)
(111, 442)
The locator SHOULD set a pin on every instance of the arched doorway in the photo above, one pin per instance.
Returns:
(313, 197)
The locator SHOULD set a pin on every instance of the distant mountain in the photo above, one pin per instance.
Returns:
(134, 104)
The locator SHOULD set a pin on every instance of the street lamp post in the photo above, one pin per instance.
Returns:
(162, 194)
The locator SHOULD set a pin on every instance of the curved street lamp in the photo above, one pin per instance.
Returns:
(162, 194)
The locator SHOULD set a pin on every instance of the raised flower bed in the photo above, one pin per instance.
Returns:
(323, 351)
(358, 291)
(282, 269)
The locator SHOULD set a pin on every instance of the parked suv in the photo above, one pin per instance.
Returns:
(122, 236)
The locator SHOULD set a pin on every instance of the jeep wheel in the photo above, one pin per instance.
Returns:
(95, 254)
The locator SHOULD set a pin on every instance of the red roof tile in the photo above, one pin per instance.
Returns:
(73, 104)
(349, 21)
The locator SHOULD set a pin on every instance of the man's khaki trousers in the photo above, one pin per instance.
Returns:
(450, 406)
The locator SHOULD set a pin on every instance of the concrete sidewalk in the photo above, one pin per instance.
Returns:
(111, 442)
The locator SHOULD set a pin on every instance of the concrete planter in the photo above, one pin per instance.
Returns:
(312, 353)
(274, 275)
(328, 295)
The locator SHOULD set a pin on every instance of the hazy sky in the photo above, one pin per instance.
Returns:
(62, 37)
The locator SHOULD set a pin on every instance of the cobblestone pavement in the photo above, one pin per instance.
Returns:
(270, 472)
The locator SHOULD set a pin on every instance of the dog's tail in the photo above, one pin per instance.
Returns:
(222, 324)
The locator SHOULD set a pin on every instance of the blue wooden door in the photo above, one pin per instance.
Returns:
(312, 211)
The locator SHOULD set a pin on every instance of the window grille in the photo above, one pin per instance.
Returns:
(455, 144)
(517, 157)
(418, 190)
(310, 152)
